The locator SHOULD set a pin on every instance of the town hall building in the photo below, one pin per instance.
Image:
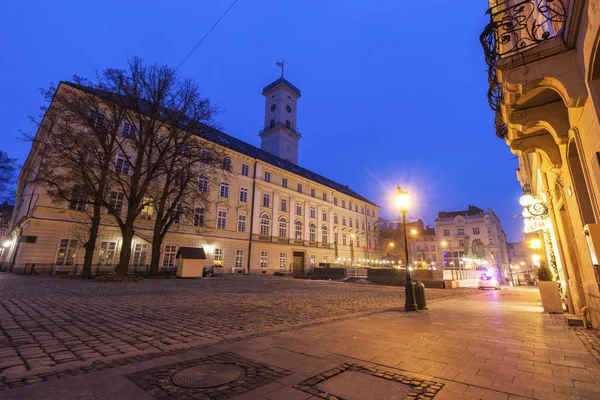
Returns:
(270, 214)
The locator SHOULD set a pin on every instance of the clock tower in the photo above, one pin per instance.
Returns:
(279, 135)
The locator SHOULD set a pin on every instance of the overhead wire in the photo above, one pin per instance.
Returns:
(206, 34)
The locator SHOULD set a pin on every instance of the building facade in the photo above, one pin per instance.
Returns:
(472, 239)
(424, 246)
(269, 215)
(544, 77)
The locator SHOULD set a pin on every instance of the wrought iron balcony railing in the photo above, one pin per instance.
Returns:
(515, 26)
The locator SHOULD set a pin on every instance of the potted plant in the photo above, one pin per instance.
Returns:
(549, 293)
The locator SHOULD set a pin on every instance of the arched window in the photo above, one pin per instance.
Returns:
(298, 230)
(282, 227)
(265, 225)
(312, 233)
(324, 237)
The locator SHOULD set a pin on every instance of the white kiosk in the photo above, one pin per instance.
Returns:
(190, 262)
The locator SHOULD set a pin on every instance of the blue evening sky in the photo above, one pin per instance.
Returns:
(393, 92)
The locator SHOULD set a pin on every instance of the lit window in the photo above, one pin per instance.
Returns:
(282, 260)
(219, 256)
(239, 259)
(106, 254)
(66, 252)
(147, 209)
(264, 259)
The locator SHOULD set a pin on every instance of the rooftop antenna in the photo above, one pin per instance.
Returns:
(280, 64)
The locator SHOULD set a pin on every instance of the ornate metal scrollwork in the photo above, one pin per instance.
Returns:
(516, 25)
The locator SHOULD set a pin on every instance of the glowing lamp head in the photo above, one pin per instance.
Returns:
(402, 199)
(392, 244)
(535, 244)
(536, 258)
(6, 244)
(526, 200)
(413, 231)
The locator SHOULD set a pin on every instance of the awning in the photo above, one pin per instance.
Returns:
(194, 253)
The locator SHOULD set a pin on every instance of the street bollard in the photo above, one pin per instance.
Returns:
(420, 296)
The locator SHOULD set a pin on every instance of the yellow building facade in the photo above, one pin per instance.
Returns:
(544, 79)
(267, 215)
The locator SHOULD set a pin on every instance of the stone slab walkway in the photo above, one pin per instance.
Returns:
(491, 345)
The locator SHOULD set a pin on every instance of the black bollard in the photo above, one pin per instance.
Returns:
(420, 296)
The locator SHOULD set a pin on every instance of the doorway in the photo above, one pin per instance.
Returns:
(298, 262)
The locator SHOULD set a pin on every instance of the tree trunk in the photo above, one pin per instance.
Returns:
(90, 245)
(127, 235)
(156, 246)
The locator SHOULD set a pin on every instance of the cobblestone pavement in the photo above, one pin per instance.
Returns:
(50, 324)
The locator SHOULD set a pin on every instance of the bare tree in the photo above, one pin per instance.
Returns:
(190, 158)
(75, 145)
(7, 174)
(164, 114)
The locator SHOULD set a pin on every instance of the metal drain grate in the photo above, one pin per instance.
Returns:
(207, 375)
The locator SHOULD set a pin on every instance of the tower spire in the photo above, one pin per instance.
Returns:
(281, 64)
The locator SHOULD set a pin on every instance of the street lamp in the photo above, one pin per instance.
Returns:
(409, 288)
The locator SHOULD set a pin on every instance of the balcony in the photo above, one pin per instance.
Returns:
(279, 124)
(516, 26)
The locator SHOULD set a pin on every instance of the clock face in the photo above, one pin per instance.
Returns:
(273, 107)
(288, 108)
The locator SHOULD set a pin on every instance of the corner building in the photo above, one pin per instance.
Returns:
(271, 215)
(544, 75)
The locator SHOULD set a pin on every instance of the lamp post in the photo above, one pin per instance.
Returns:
(409, 288)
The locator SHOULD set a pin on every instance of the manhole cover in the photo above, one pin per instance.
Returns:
(207, 375)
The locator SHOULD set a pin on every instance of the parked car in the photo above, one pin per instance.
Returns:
(488, 282)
